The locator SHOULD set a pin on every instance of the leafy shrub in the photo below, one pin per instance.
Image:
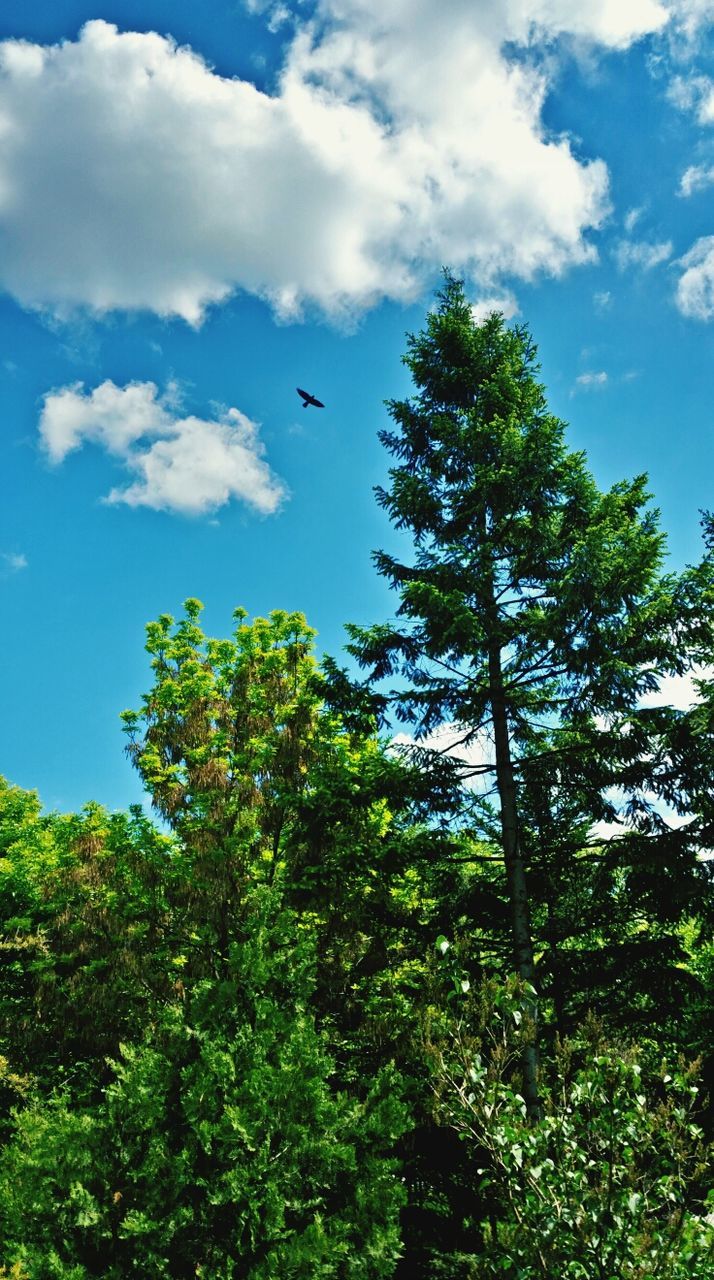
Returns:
(220, 1149)
(610, 1179)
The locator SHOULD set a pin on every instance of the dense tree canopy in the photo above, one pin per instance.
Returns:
(354, 1005)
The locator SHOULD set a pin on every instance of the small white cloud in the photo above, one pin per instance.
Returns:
(590, 380)
(682, 91)
(695, 287)
(279, 15)
(602, 300)
(201, 466)
(632, 217)
(471, 752)
(184, 464)
(672, 691)
(696, 178)
(633, 253)
(506, 303)
(624, 826)
(678, 691)
(611, 23)
(111, 416)
(695, 94)
(13, 561)
(690, 16)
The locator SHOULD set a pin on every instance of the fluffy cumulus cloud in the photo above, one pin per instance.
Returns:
(179, 463)
(402, 134)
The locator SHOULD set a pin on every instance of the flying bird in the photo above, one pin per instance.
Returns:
(308, 399)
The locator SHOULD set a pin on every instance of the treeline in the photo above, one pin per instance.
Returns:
(434, 1004)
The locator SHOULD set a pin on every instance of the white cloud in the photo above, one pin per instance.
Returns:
(696, 178)
(592, 379)
(694, 93)
(114, 417)
(506, 303)
(279, 15)
(401, 136)
(690, 16)
(13, 561)
(472, 752)
(183, 464)
(633, 253)
(695, 287)
(631, 219)
(200, 467)
(602, 300)
(611, 23)
(678, 691)
(624, 826)
(672, 691)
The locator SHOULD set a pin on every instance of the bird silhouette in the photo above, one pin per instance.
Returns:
(308, 399)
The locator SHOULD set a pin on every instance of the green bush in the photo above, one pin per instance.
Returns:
(608, 1183)
(220, 1148)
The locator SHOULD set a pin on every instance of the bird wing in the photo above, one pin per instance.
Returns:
(309, 399)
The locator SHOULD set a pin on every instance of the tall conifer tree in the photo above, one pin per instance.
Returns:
(534, 602)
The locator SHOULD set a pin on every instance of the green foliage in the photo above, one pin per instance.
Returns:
(218, 1137)
(609, 1181)
(85, 933)
(229, 728)
(220, 1147)
(534, 615)
(514, 543)
(274, 1036)
(257, 778)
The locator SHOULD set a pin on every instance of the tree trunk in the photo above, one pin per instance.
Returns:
(515, 871)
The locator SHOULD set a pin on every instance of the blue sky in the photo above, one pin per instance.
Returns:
(203, 206)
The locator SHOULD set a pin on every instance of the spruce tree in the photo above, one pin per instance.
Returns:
(534, 610)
